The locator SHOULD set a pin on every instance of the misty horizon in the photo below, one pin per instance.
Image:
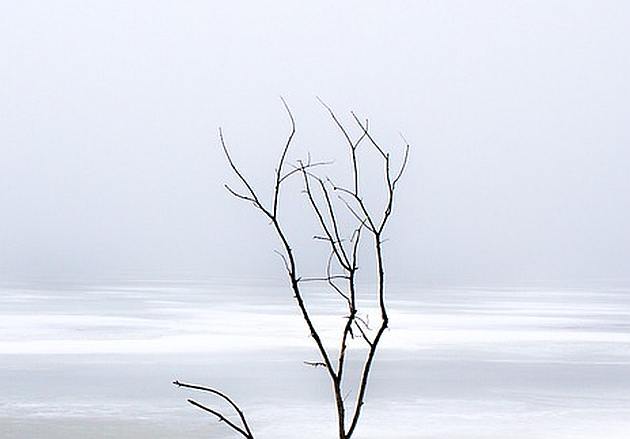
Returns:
(111, 165)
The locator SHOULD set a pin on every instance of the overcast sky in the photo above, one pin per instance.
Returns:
(517, 113)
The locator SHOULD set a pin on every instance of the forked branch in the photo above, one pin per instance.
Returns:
(244, 430)
(329, 202)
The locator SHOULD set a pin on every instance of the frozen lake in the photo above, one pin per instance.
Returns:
(87, 360)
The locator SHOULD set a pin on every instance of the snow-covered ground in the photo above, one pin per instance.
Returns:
(87, 360)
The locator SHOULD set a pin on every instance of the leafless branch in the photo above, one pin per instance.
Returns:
(252, 195)
(342, 264)
(241, 196)
(283, 157)
(315, 363)
(368, 135)
(222, 418)
(297, 169)
(323, 279)
(328, 230)
(284, 260)
(245, 431)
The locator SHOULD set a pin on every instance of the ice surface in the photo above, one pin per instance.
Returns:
(97, 361)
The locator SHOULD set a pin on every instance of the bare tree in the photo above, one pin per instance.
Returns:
(329, 201)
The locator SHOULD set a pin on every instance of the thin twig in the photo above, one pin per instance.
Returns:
(247, 433)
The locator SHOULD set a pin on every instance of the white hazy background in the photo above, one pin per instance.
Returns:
(124, 263)
(517, 113)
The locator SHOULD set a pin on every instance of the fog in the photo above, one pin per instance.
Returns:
(516, 113)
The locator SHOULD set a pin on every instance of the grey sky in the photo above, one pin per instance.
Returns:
(517, 113)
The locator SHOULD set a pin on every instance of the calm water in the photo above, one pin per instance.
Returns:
(87, 360)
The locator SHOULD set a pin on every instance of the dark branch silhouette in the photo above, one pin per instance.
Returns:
(341, 266)
(245, 430)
